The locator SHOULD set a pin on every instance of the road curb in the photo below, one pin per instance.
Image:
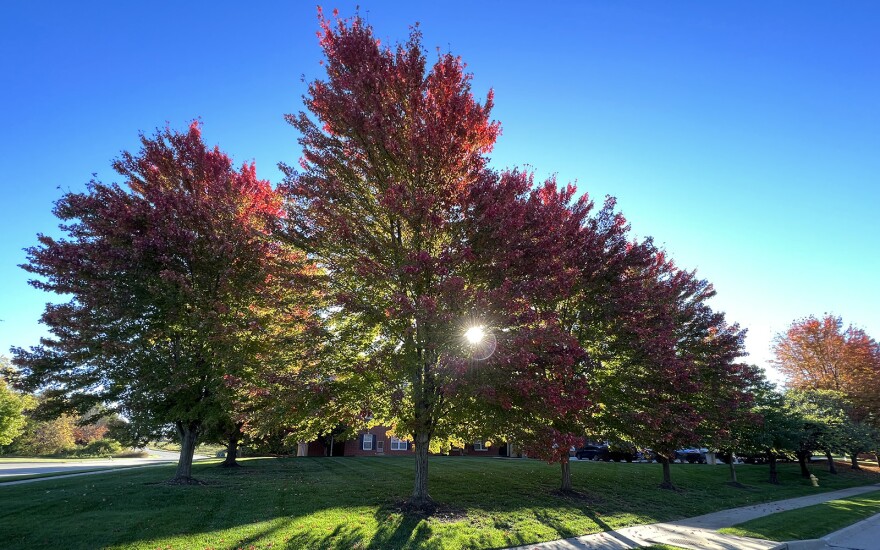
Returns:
(811, 544)
(855, 529)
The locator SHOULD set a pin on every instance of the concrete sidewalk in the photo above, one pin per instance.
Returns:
(700, 533)
(864, 535)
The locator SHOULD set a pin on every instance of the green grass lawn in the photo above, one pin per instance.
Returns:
(811, 522)
(353, 503)
(7, 479)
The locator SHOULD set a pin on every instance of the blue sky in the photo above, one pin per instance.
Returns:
(743, 136)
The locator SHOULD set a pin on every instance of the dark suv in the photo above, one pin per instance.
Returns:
(589, 452)
(606, 454)
(691, 456)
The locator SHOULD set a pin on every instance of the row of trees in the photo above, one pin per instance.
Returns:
(833, 401)
(202, 298)
(799, 423)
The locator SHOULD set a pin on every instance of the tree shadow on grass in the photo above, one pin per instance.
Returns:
(335, 503)
(399, 530)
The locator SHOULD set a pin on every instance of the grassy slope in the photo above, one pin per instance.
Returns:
(811, 522)
(350, 503)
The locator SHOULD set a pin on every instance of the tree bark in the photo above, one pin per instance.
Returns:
(232, 448)
(732, 467)
(774, 475)
(425, 400)
(189, 434)
(854, 460)
(802, 457)
(420, 499)
(566, 475)
(667, 476)
(831, 467)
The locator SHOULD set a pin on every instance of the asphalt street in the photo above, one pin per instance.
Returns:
(17, 468)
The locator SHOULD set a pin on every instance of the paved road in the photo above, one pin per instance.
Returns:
(29, 468)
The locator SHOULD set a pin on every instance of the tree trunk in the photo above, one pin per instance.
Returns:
(189, 434)
(732, 467)
(667, 476)
(854, 459)
(425, 399)
(232, 448)
(774, 476)
(566, 475)
(831, 467)
(420, 499)
(802, 457)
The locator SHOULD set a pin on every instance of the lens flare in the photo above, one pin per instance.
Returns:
(479, 343)
(475, 335)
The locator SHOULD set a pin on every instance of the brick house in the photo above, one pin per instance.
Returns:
(372, 442)
(375, 442)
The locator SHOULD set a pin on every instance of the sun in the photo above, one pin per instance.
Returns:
(475, 335)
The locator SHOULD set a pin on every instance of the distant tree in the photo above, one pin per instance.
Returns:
(769, 428)
(821, 418)
(12, 407)
(47, 437)
(175, 282)
(857, 438)
(92, 426)
(822, 354)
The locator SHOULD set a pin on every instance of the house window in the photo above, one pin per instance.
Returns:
(480, 446)
(398, 444)
(368, 442)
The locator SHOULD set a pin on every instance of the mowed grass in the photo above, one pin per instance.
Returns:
(812, 522)
(354, 503)
(7, 479)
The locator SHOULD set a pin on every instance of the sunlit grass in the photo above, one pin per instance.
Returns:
(812, 522)
(353, 503)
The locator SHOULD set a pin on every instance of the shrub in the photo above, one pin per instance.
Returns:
(132, 453)
(104, 448)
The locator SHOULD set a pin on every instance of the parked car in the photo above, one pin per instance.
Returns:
(607, 454)
(650, 456)
(621, 454)
(589, 452)
(691, 456)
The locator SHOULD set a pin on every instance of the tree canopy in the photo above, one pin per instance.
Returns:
(175, 282)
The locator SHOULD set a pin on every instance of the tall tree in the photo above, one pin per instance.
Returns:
(674, 362)
(419, 240)
(175, 280)
(535, 389)
(732, 418)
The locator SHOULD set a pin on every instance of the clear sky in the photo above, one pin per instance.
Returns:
(743, 136)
